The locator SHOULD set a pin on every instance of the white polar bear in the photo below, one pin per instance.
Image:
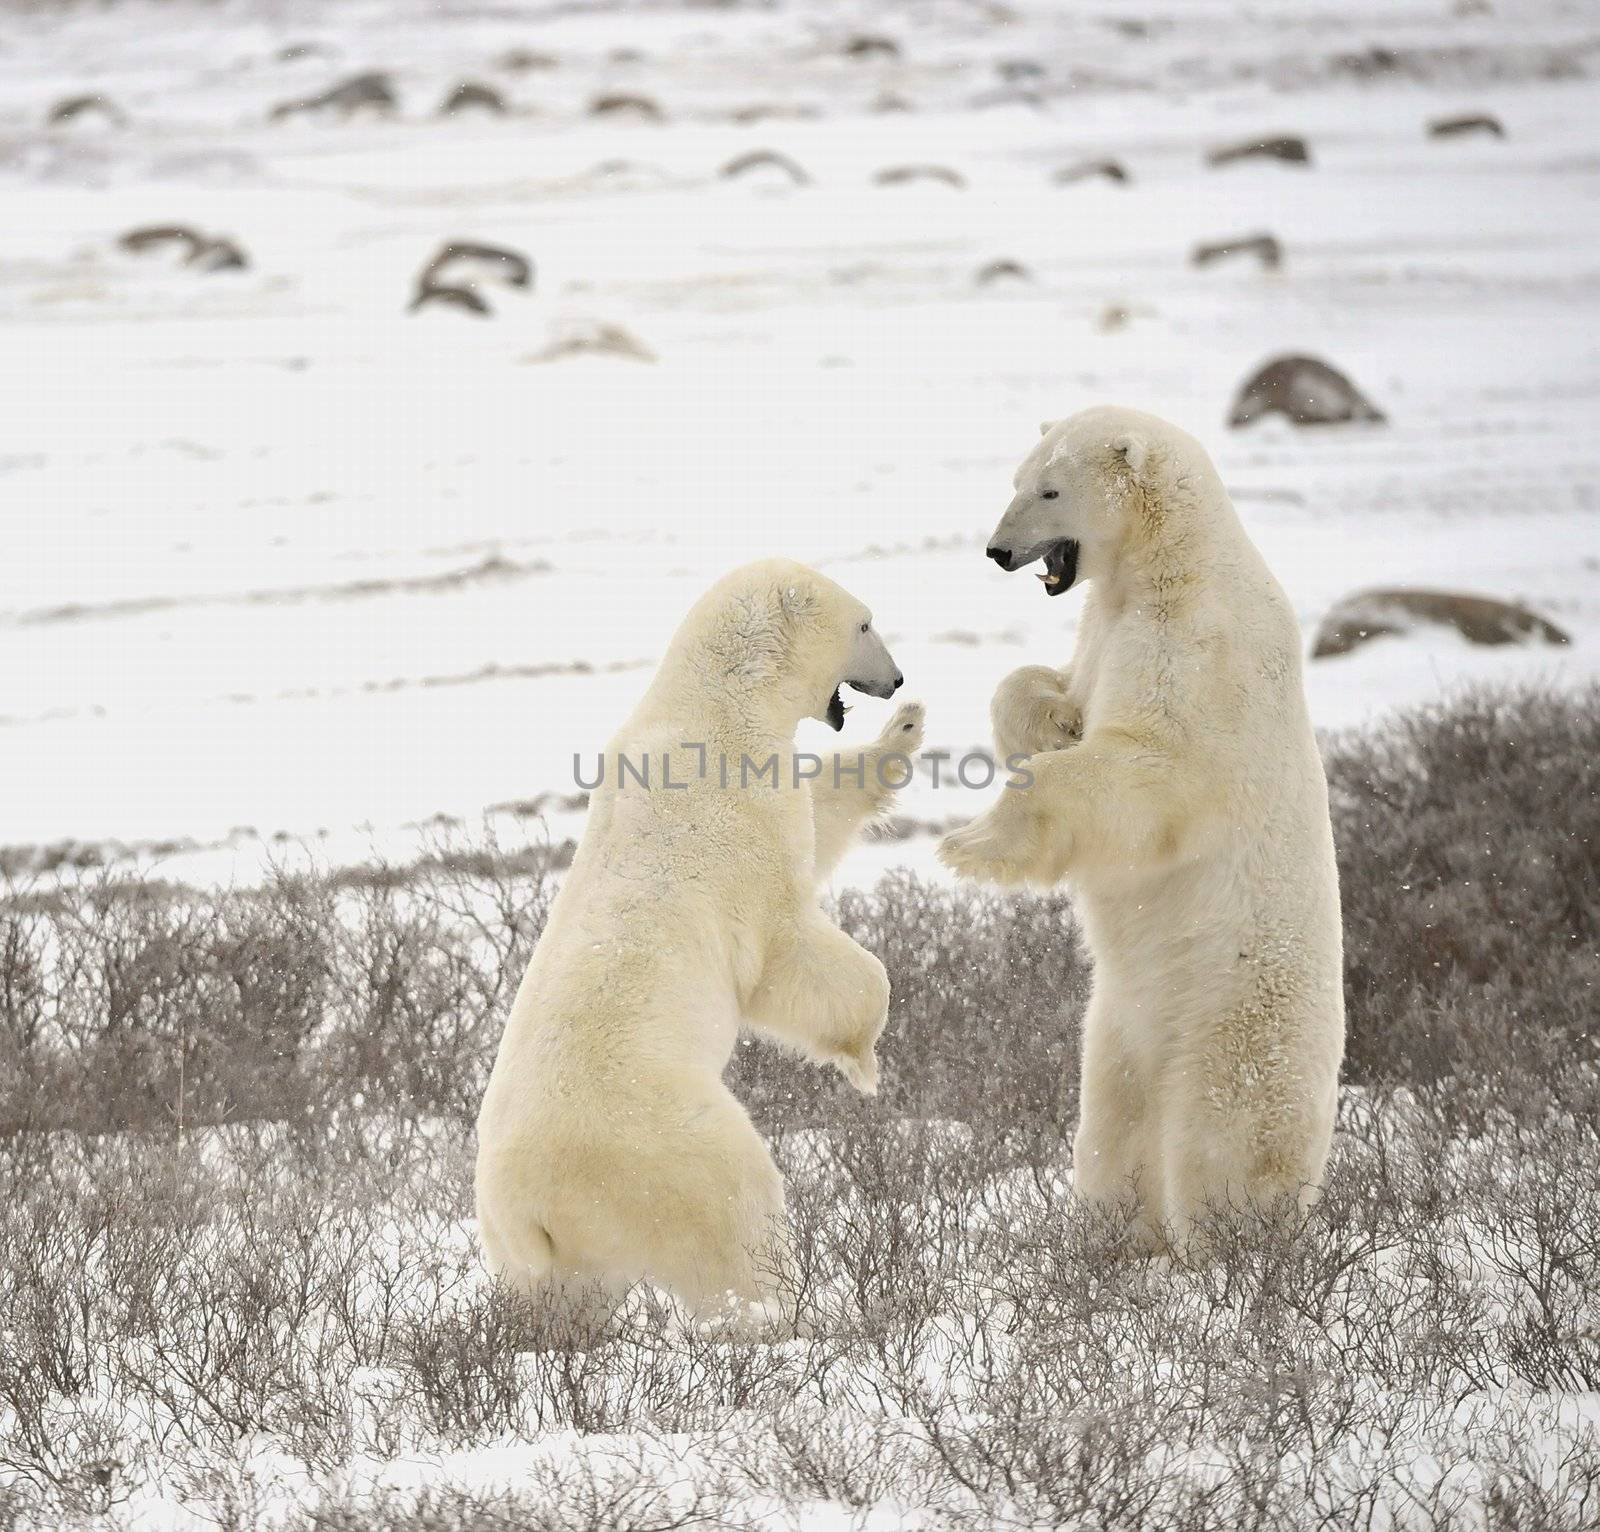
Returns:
(609, 1150)
(1177, 786)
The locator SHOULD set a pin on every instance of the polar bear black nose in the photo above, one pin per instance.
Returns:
(899, 681)
(1000, 556)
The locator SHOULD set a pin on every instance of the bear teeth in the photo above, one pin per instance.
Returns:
(1051, 579)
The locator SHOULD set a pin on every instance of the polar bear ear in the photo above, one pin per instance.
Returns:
(1047, 426)
(796, 600)
(1132, 450)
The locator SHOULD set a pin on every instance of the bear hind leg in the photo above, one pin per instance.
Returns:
(720, 1240)
(1114, 1163)
(571, 1307)
(1222, 1168)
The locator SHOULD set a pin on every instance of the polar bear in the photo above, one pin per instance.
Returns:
(609, 1150)
(1176, 785)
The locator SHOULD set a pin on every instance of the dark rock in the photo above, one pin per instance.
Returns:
(1370, 63)
(905, 175)
(220, 255)
(465, 299)
(767, 111)
(1385, 611)
(1290, 151)
(75, 108)
(1308, 391)
(525, 60)
(471, 96)
(203, 252)
(465, 263)
(1264, 247)
(621, 103)
(1014, 71)
(163, 236)
(369, 92)
(1465, 125)
(764, 159)
(868, 47)
(1088, 170)
(1000, 270)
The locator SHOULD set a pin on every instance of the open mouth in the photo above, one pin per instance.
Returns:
(1060, 566)
(836, 711)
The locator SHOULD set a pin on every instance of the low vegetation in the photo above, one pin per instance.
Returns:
(237, 1267)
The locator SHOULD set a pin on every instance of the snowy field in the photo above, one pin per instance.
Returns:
(287, 569)
(240, 1285)
(283, 559)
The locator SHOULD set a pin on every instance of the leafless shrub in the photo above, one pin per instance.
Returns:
(236, 1171)
(1469, 856)
(616, 1492)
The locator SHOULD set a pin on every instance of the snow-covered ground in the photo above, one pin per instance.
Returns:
(279, 554)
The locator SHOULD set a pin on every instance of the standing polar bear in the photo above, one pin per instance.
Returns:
(609, 1150)
(1176, 784)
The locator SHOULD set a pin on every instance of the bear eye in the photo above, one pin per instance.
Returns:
(865, 626)
(1049, 494)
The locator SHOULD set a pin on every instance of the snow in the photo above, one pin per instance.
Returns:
(279, 554)
(393, 1265)
(278, 557)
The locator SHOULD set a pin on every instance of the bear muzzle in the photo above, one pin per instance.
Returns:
(1060, 555)
(878, 688)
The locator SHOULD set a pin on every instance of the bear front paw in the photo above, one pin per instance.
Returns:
(904, 731)
(989, 850)
(860, 1069)
(1031, 713)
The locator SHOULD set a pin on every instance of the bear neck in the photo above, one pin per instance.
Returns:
(738, 704)
(1180, 529)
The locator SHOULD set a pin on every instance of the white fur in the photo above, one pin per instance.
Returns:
(609, 1150)
(1178, 788)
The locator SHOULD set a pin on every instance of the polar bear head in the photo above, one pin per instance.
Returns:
(782, 640)
(1084, 489)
